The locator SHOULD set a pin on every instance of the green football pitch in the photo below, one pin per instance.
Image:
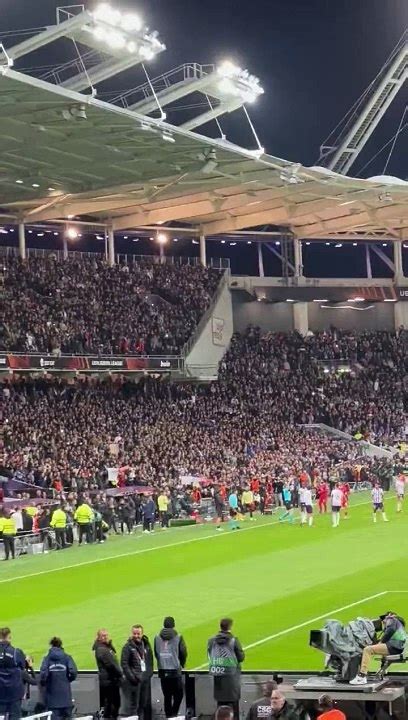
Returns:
(276, 581)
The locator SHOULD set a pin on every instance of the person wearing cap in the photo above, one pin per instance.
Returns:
(171, 654)
(283, 709)
(327, 709)
(392, 642)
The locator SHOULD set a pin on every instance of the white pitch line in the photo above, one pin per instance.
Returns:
(305, 624)
(134, 552)
(146, 550)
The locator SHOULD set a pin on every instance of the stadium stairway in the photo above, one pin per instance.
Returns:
(208, 345)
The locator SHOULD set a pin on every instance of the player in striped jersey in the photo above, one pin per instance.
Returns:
(377, 495)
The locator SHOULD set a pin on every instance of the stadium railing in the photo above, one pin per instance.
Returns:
(215, 263)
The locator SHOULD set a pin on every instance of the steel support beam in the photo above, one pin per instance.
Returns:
(48, 36)
(398, 266)
(99, 73)
(206, 117)
(171, 94)
(297, 249)
(111, 246)
(261, 271)
(203, 251)
(21, 241)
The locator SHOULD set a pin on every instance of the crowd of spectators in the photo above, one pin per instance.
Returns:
(67, 434)
(84, 306)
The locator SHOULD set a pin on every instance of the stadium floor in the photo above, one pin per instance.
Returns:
(277, 582)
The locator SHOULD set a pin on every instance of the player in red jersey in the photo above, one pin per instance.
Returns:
(322, 494)
(345, 489)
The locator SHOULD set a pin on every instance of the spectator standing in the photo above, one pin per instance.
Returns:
(59, 524)
(163, 505)
(132, 667)
(225, 655)
(57, 672)
(84, 517)
(171, 654)
(12, 666)
(145, 651)
(8, 531)
(110, 675)
(148, 512)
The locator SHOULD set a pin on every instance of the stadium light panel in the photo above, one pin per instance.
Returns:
(238, 83)
(162, 238)
(71, 233)
(123, 31)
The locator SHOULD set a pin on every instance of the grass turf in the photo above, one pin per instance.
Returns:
(269, 577)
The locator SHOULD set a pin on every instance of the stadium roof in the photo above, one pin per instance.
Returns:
(63, 153)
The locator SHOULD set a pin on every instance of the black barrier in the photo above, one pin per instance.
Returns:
(391, 701)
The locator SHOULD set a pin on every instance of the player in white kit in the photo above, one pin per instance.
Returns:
(306, 506)
(400, 490)
(336, 499)
(377, 495)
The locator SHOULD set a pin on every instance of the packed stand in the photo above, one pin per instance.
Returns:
(63, 435)
(287, 374)
(82, 306)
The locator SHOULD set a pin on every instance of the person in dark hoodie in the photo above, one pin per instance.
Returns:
(225, 655)
(57, 672)
(137, 665)
(171, 654)
(12, 666)
(110, 675)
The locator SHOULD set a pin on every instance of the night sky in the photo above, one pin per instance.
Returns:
(313, 57)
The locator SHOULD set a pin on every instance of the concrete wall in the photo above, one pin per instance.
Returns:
(269, 316)
(379, 316)
(278, 317)
(214, 339)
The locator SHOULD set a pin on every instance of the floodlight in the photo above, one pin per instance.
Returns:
(162, 238)
(227, 69)
(131, 22)
(124, 30)
(71, 233)
(238, 82)
(146, 52)
(105, 13)
(116, 40)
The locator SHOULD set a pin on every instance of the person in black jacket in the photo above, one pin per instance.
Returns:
(171, 655)
(57, 672)
(133, 663)
(142, 642)
(225, 655)
(261, 708)
(110, 675)
(12, 666)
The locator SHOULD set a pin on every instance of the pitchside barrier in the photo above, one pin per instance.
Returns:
(390, 701)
